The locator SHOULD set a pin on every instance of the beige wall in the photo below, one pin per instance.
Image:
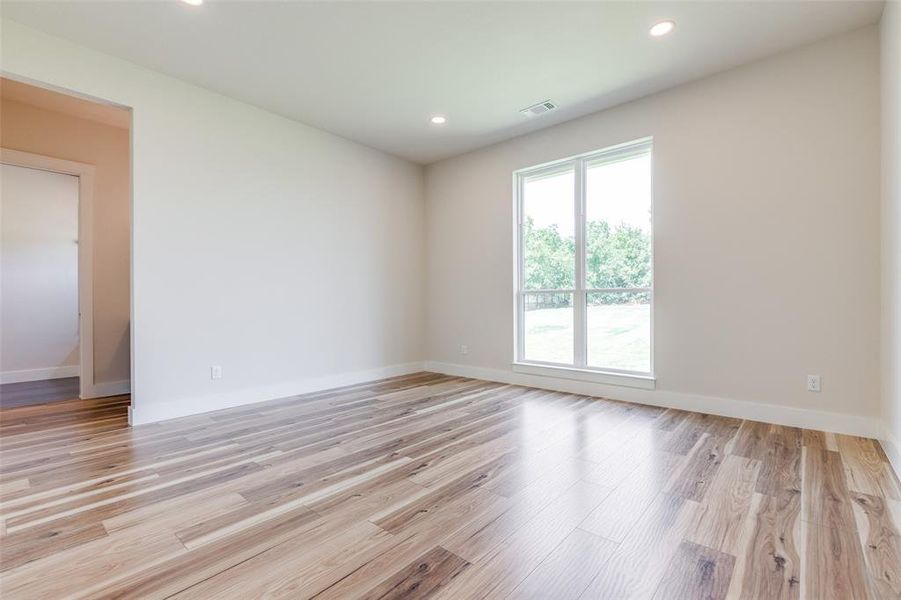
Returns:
(766, 235)
(31, 129)
(288, 256)
(296, 259)
(891, 228)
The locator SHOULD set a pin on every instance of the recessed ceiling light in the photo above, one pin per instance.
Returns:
(438, 120)
(662, 28)
(193, 2)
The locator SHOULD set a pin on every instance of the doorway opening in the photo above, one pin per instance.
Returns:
(65, 204)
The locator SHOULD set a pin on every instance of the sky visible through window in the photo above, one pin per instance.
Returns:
(618, 193)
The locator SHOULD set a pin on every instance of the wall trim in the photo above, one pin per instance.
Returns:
(644, 382)
(150, 411)
(726, 407)
(39, 374)
(892, 449)
(758, 411)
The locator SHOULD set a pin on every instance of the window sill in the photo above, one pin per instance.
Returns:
(644, 382)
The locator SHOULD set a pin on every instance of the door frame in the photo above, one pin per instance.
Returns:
(85, 174)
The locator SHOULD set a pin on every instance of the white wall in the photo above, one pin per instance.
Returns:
(39, 267)
(767, 238)
(891, 229)
(289, 256)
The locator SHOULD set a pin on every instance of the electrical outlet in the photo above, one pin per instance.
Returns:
(216, 372)
(813, 383)
(464, 349)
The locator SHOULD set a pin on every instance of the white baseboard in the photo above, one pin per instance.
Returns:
(726, 407)
(892, 449)
(144, 410)
(39, 374)
(107, 388)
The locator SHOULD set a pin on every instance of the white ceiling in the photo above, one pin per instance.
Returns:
(375, 72)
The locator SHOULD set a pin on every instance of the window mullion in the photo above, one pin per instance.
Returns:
(579, 299)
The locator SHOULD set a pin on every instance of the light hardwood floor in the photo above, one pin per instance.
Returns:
(435, 486)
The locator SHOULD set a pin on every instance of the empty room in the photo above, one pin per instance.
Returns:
(453, 300)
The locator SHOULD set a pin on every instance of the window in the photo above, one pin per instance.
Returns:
(584, 298)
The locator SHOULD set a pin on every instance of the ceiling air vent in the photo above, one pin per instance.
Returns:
(538, 109)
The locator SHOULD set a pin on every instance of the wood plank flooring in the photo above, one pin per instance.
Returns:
(440, 487)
